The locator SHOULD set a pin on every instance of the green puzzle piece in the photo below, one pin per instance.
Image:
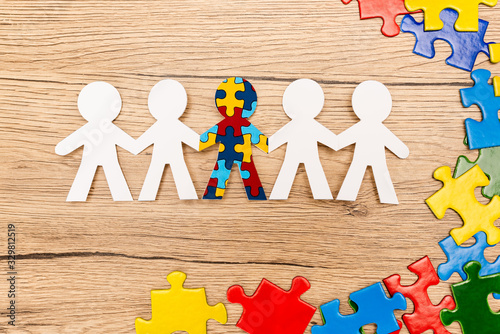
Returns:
(489, 161)
(471, 296)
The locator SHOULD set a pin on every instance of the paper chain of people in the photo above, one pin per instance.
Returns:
(100, 103)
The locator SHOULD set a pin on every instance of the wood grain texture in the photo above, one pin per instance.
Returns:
(89, 267)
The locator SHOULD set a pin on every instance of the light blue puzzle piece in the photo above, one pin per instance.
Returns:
(459, 256)
(374, 307)
(251, 129)
(204, 135)
(237, 80)
(485, 133)
(221, 174)
(247, 113)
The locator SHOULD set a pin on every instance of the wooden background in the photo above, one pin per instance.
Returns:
(89, 267)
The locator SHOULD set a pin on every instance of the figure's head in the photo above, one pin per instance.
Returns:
(167, 100)
(303, 99)
(99, 100)
(372, 101)
(236, 97)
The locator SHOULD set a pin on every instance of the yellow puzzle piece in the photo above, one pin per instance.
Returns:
(245, 148)
(458, 195)
(180, 309)
(495, 58)
(468, 12)
(230, 87)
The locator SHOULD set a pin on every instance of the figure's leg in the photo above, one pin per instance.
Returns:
(251, 180)
(152, 181)
(385, 188)
(352, 182)
(284, 182)
(183, 182)
(116, 181)
(217, 184)
(82, 183)
(317, 180)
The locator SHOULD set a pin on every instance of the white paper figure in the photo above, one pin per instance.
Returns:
(302, 101)
(99, 103)
(167, 102)
(372, 103)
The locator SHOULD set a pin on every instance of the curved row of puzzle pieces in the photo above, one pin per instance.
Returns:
(272, 310)
(236, 100)
(453, 21)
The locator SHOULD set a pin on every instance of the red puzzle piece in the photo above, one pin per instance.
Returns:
(387, 10)
(272, 310)
(426, 315)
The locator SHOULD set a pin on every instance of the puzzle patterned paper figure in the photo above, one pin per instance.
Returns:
(99, 103)
(372, 103)
(167, 102)
(180, 309)
(236, 100)
(302, 102)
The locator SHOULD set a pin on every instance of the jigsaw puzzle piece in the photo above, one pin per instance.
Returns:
(218, 181)
(257, 137)
(229, 143)
(362, 331)
(485, 133)
(212, 192)
(208, 138)
(488, 160)
(253, 186)
(245, 148)
(374, 307)
(387, 10)
(425, 315)
(467, 12)
(465, 45)
(272, 310)
(180, 309)
(249, 97)
(225, 96)
(458, 195)
(472, 309)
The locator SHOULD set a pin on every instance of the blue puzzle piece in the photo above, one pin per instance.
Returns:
(229, 154)
(220, 94)
(211, 193)
(204, 135)
(465, 45)
(221, 174)
(374, 307)
(459, 256)
(249, 96)
(251, 129)
(485, 133)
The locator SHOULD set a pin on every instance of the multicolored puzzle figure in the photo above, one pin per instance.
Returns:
(272, 310)
(458, 195)
(180, 309)
(236, 100)
(425, 315)
(473, 311)
(374, 307)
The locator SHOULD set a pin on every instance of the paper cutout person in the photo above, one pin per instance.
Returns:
(236, 100)
(99, 103)
(167, 102)
(302, 101)
(372, 103)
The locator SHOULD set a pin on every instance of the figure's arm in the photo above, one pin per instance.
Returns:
(71, 142)
(326, 137)
(258, 138)
(208, 138)
(124, 140)
(348, 137)
(395, 145)
(145, 140)
(189, 136)
(279, 138)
